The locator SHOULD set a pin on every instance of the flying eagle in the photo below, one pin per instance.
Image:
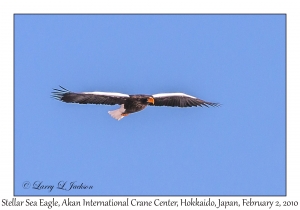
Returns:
(129, 103)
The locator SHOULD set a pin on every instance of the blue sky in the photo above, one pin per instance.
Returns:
(235, 149)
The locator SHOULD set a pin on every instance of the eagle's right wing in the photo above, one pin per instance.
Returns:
(107, 98)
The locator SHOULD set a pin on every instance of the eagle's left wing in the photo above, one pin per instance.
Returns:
(179, 100)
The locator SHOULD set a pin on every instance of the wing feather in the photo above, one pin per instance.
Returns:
(179, 100)
(107, 98)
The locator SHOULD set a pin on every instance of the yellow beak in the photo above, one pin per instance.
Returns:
(150, 100)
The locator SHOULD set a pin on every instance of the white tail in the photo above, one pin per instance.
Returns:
(117, 114)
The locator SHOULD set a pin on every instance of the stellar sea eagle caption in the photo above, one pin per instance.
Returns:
(217, 203)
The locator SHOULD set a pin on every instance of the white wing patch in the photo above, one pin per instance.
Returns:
(160, 95)
(107, 94)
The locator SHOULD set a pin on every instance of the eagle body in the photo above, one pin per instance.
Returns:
(136, 103)
(129, 103)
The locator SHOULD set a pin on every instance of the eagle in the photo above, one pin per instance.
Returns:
(129, 103)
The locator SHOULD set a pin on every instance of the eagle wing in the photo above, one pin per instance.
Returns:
(107, 98)
(179, 100)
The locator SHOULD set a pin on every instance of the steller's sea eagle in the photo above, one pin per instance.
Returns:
(129, 103)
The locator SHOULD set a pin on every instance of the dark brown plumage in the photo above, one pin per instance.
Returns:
(129, 103)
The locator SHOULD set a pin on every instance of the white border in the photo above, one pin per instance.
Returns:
(10, 7)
